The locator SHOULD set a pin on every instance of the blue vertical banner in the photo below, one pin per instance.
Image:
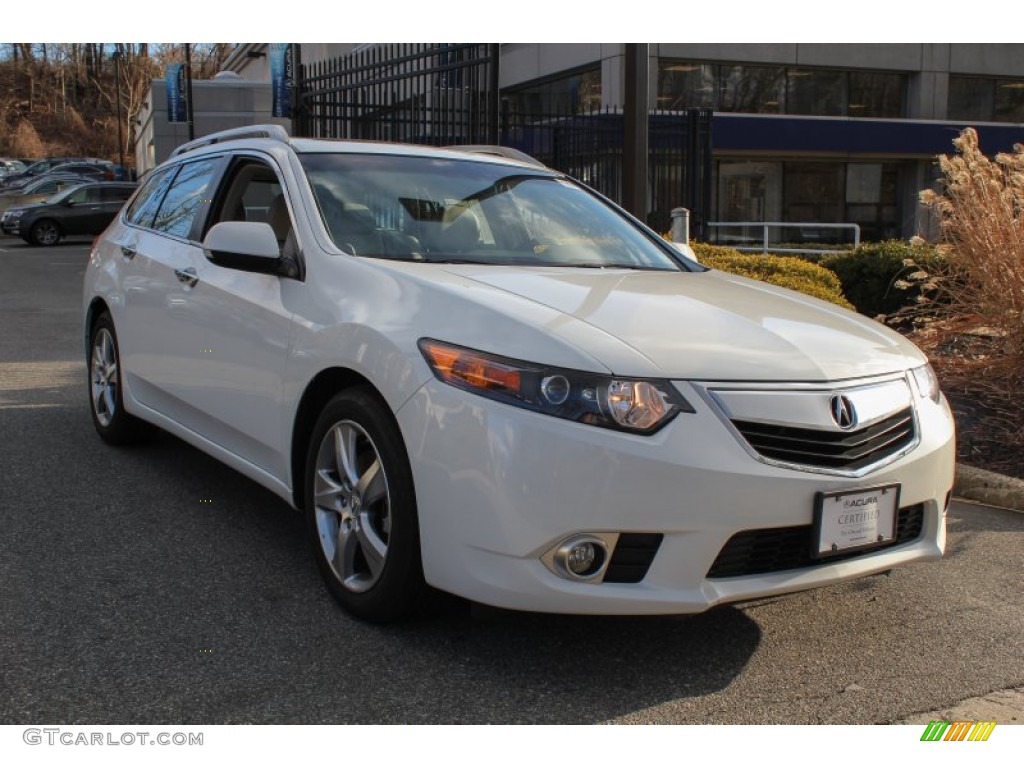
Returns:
(282, 78)
(177, 107)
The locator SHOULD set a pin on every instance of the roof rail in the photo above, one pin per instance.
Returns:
(269, 131)
(494, 149)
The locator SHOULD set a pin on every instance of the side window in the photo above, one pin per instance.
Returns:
(187, 193)
(143, 208)
(253, 193)
(115, 194)
(80, 196)
(94, 195)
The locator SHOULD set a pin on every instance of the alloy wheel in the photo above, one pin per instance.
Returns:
(352, 506)
(104, 377)
(46, 233)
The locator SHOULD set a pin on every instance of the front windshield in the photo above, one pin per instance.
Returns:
(461, 211)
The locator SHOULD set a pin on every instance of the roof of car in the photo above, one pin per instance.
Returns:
(267, 137)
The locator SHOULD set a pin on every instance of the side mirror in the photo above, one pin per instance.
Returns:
(70, 203)
(250, 246)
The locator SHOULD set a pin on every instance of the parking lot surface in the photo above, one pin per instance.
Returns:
(153, 585)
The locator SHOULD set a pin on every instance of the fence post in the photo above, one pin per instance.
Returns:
(680, 225)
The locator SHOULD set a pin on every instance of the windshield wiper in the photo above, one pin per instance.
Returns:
(610, 265)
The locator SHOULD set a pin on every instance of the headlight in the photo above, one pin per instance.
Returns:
(631, 405)
(927, 382)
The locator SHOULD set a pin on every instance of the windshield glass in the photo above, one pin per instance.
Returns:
(441, 210)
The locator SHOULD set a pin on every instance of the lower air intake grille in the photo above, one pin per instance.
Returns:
(769, 550)
(632, 557)
(831, 450)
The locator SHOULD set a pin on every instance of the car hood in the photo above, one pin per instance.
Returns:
(712, 325)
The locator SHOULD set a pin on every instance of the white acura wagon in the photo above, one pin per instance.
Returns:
(474, 373)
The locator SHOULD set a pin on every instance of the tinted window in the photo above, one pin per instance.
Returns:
(83, 195)
(183, 199)
(1009, 101)
(143, 208)
(115, 194)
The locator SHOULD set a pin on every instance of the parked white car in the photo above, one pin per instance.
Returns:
(473, 373)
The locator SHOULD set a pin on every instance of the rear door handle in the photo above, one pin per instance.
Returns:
(187, 276)
(128, 252)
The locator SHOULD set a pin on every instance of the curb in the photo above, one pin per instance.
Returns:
(989, 487)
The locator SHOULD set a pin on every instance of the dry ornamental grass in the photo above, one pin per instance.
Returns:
(978, 348)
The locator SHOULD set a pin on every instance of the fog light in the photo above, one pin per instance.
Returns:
(580, 557)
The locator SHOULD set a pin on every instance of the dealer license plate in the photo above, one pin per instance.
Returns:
(854, 520)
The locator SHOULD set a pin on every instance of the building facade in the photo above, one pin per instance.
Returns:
(804, 132)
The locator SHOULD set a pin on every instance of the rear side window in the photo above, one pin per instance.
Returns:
(183, 199)
(143, 208)
(116, 194)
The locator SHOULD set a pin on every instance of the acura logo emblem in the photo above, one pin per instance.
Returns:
(843, 413)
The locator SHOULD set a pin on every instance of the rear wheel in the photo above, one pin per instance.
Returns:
(361, 509)
(112, 422)
(45, 232)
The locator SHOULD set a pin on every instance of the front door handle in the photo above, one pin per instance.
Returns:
(187, 276)
(128, 252)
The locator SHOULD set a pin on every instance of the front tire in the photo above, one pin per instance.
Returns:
(114, 425)
(361, 509)
(45, 232)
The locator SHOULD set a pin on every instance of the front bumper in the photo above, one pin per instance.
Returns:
(10, 226)
(497, 487)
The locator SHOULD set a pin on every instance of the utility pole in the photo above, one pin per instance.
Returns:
(116, 58)
(190, 115)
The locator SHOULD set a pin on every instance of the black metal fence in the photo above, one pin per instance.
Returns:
(589, 147)
(419, 93)
(445, 94)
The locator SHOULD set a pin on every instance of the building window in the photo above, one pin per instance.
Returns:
(876, 94)
(686, 85)
(806, 192)
(815, 92)
(757, 89)
(986, 99)
(1009, 101)
(970, 98)
(571, 94)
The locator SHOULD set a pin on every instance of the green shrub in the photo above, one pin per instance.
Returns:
(882, 278)
(783, 271)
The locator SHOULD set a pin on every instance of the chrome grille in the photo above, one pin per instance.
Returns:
(848, 451)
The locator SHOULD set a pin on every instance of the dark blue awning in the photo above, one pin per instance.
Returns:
(925, 138)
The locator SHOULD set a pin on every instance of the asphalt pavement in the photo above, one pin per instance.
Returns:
(154, 585)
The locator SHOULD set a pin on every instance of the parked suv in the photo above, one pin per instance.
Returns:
(84, 209)
(474, 373)
(36, 191)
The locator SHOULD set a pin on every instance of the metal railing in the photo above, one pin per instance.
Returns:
(808, 232)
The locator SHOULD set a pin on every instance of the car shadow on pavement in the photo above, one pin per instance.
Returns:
(541, 668)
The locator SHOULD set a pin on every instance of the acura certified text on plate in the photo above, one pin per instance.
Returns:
(473, 373)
